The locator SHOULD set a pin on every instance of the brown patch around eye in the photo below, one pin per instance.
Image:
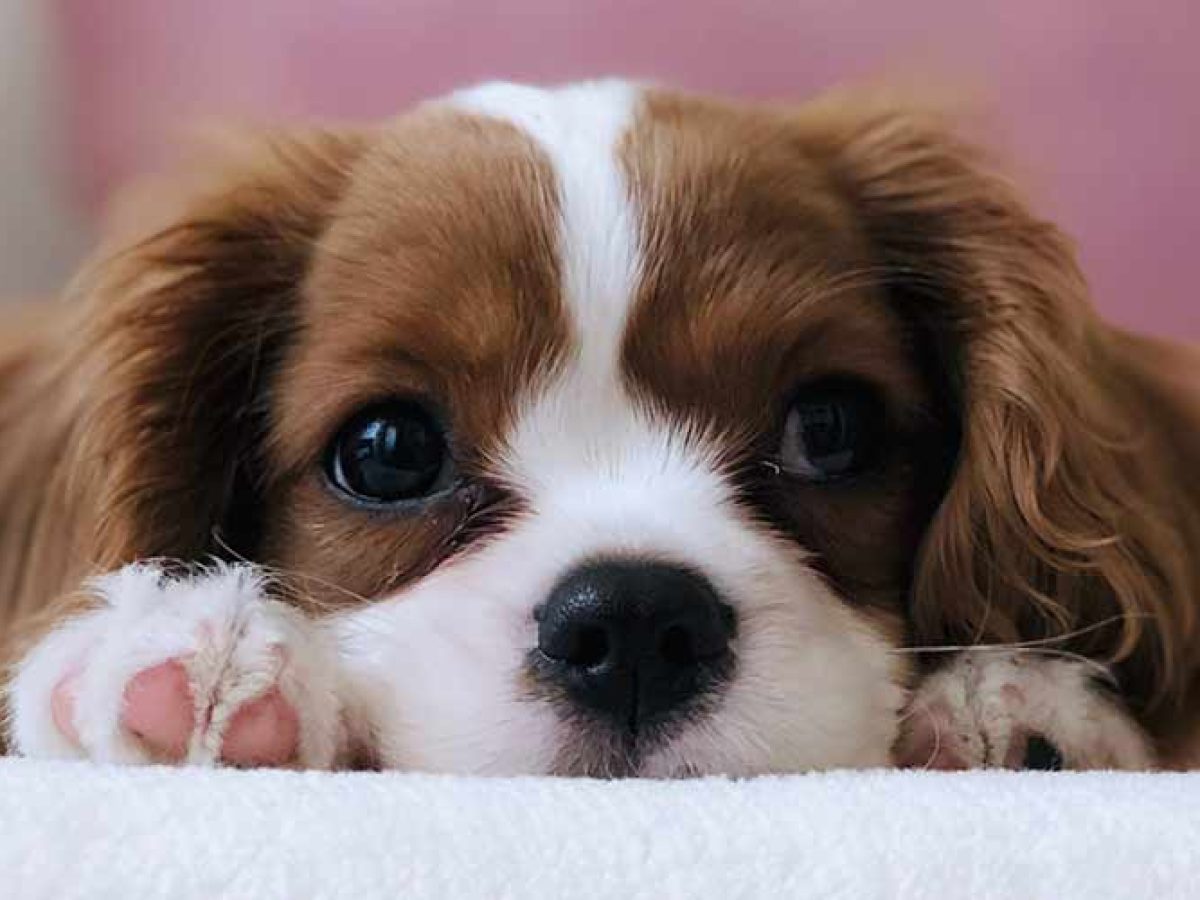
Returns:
(390, 548)
(437, 282)
(758, 280)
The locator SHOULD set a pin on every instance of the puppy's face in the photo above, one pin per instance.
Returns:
(596, 400)
(620, 432)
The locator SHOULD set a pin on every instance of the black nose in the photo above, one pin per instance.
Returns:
(634, 641)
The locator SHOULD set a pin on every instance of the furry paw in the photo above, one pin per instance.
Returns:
(994, 708)
(202, 669)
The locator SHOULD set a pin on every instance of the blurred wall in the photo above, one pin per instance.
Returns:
(1096, 100)
(41, 229)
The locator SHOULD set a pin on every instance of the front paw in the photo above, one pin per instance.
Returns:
(1013, 709)
(200, 669)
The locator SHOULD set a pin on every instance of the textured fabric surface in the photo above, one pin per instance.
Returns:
(73, 830)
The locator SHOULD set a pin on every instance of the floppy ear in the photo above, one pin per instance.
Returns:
(182, 330)
(1058, 513)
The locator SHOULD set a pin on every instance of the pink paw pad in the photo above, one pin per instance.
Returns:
(158, 709)
(263, 732)
(929, 741)
(62, 706)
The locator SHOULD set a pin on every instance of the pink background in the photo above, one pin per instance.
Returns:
(1096, 100)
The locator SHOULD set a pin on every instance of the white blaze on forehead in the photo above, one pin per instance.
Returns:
(579, 128)
(583, 432)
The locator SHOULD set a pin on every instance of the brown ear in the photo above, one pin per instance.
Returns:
(182, 330)
(1057, 517)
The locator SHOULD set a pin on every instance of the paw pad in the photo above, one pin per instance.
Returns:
(158, 710)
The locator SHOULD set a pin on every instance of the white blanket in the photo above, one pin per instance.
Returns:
(74, 830)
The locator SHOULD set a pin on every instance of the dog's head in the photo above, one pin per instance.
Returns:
(620, 431)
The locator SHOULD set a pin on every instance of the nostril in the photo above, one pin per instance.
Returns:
(583, 643)
(587, 646)
(675, 645)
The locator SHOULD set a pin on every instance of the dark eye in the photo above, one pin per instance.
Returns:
(389, 453)
(833, 430)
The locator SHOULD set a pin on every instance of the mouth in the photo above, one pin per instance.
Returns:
(629, 652)
(616, 739)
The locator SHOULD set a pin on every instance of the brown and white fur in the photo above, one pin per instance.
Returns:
(609, 292)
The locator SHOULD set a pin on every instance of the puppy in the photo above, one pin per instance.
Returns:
(606, 431)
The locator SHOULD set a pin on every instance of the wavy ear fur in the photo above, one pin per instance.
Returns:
(182, 328)
(1064, 513)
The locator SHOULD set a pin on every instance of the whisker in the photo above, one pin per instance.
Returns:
(1100, 670)
(1024, 645)
(937, 745)
(281, 577)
